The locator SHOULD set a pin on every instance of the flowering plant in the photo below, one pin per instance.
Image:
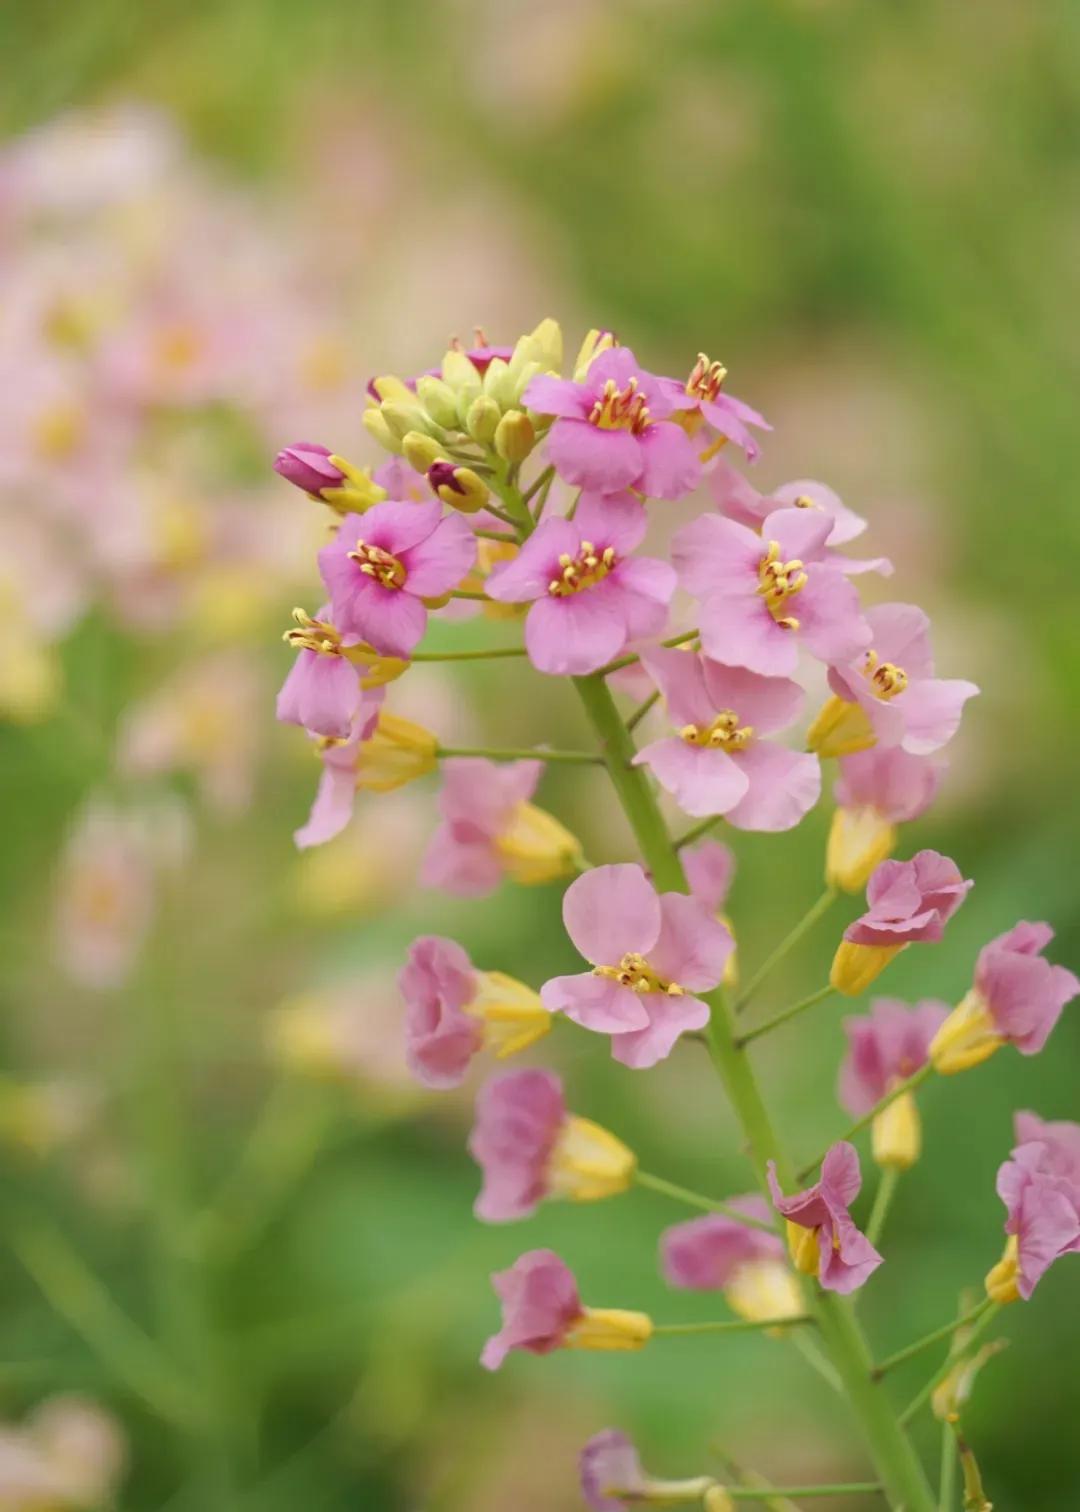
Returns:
(539, 489)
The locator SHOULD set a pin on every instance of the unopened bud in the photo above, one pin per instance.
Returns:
(460, 374)
(840, 729)
(459, 487)
(717, 1500)
(402, 418)
(420, 451)
(440, 401)
(1002, 1279)
(609, 1328)
(515, 436)
(896, 1134)
(854, 967)
(482, 419)
(595, 343)
(376, 427)
(390, 388)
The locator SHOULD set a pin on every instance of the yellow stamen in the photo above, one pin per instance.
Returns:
(706, 378)
(620, 409)
(886, 679)
(585, 570)
(778, 581)
(725, 733)
(313, 635)
(634, 971)
(379, 564)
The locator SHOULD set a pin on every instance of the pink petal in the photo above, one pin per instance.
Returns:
(831, 623)
(575, 635)
(693, 947)
(597, 1003)
(800, 533)
(643, 587)
(322, 694)
(332, 809)
(740, 632)
(610, 912)
(461, 861)
(932, 710)
(783, 787)
(702, 779)
(712, 554)
(547, 395)
(767, 704)
(527, 576)
(901, 634)
(669, 1017)
(485, 793)
(394, 526)
(616, 520)
(670, 464)
(737, 498)
(588, 457)
(680, 677)
(841, 1177)
(709, 869)
(441, 560)
(846, 523)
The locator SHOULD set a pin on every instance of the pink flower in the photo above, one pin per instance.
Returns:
(909, 901)
(589, 596)
(1023, 992)
(382, 565)
(650, 953)
(613, 430)
(437, 981)
(709, 869)
(540, 1305)
(307, 465)
(842, 1256)
(718, 763)
(761, 596)
(894, 683)
(1040, 1187)
(612, 1477)
(322, 692)
(704, 1254)
(519, 1117)
(334, 797)
(740, 501)
(886, 1046)
(702, 398)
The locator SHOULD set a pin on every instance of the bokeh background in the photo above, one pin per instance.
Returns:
(218, 218)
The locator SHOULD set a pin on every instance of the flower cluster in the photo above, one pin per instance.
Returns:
(528, 487)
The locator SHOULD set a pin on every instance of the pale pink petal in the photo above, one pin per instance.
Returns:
(670, 465)
(831, 623)
(703, 780)
(613, 519)
(783, 787)
(574, 635)
(680, 677)
(711, 554)
(800, 533)
(321, 693)
(767, 704)
(709, 869)
(588, 457)
(932, 710)
(610, 912)
(441, 560)
(737, 498)
(332, 809)
(394, 526)
(846, 523)
(669, 1017)
(740, 632)
(547, 395)
(527, 576)
(462, 861)
(900, 633)
(693, 947)
(597, 1003)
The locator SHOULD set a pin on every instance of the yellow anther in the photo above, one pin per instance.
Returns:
(379, 564)
(886, 679)
(634, 971)
(583, 571)
(725, 733)
(778, 581)
(804, 501)
(313, 635)
(706, 378)
(620, 409)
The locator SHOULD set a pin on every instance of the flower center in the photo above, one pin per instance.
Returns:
(620, 409)
(379, 564)
(706, 378)
(585, 570)
(313, 635)
(777, 582)
(886, 679)
(725, 733)
(634, 971)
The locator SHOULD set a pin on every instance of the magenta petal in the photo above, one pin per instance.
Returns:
(332, 809)
(527, 576)
(588, 457)
(703, 1254)
(693, 947)
(669, 1017)
(594, 1002)
(841, 1177)
(575, 635)
(394, 526)
(671, 468)
(519, 1116)
(321, 693)
(441, 560)
(783, 786)
(610, 912)
(712, 554)
(848, 1261)
(702, 779)
(768, 704)
(680, 677)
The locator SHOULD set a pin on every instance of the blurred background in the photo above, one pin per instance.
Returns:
(218, 219)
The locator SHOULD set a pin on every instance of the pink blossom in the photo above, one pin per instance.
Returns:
(589, 595)
(614, 429)
(336, 793)
(540, 1305)
(741, 501)
(896, 786)
(845, 1257)
(651, 954)
(382, 565)
(718, 763)
(612, 1477)
(701, 397)
(763, 596)
(519, 1117)
(894, 684)
(322, 692)
(437, 981)
(909, 901)
(307, 465)
(1023, 992)
(1040, 1187)
(704, 1254)
(709, 869)
(885, 1046)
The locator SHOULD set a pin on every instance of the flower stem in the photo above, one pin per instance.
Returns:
(915, 1080)
(628, 661)
(936, 1379)
(726, 1325)
(787, 944)
(838, 1488)
(782, 1018)
(945, 1332)
(947, 1484)
(695, 1199)
(634, 719)
(486, 655)
(522, 753)
(468, 593)
(542, 480)
(696, 831)
(886, 1190)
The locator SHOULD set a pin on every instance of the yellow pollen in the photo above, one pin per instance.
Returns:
(886, 679)
(585, 570)
(313, 635)
(777, 582)
(804, 501)
(725, 733)
(620, 409)
(706, 378)
(379, 564)
(634, 971)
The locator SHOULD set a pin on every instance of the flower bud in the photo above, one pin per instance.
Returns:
(376, 427)
(609, 1328)
(1001, 1279)
(512, 1014)
(459, 487)
(515, 436)
(717, 1500)
(309, 466)
(499, 385)
(460, 375)
(420, 451)
(896, 1134)
(391, 388)
(402, 418)
(536, 848)
(397, 752)
(763, 1290)
(840, 729)
(966, 1038)
(803, 1245)
(854, 967)
(482, 419)
(544, 346)
(440, 401)
(858, 841)
(589, 1163)
(955, 1390)
(595, 343)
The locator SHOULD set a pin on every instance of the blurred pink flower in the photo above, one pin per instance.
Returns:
(702, 397)
(540, 1305)
(841, 1256)
(105, 897)
(909, 901)
(1040, 1187)
(886, 1046)
(704, 1254)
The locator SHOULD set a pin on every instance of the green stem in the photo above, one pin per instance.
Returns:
(886, 1191)
(838, 1488)
(449, 656)
(726, 1325)
(814, 1358)
(782, 1018)
(522, 753)
(634, 719)
(696, 1200)
(787, 944)
(909, 1085)
(629, 660)
(946, 1331)
(468, 593)
(542, 480)
(696, 831)
(987, 1318)
(892, 1450)
(947, 1484)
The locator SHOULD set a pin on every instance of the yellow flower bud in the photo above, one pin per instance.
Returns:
(397, 752)
(717, 1500)
(420, 451)
(840, 729)
(595, 343)
(1001, 1279)
(461, 377)
(402, 418)
(764, 1290)
(803, 1245)
(858, 841)
(966, 1038)
(515, 436)
(512, 1014)
(498, 384)
(482, 419)
(459, 487)
(896, 1134)
(588, 1162)
(609, 1328)
(536, 848)
(394, 389)
(376, 669)
(854, 967)
(440, 401)
(545, 345)
(376, 427)
(950, 1395)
